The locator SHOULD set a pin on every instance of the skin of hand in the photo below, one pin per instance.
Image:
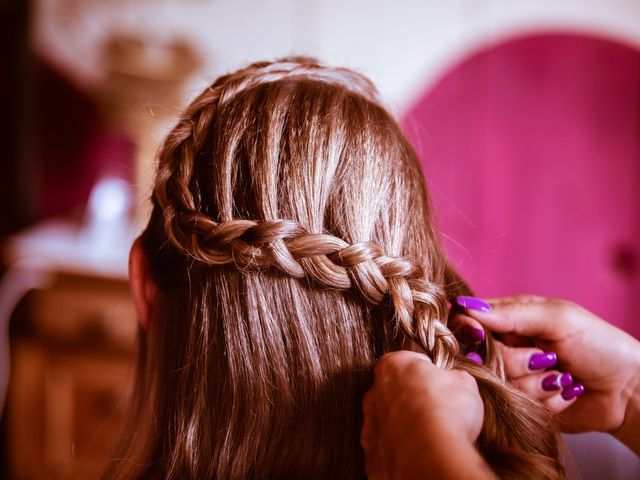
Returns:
(603, 358)
(421, 421)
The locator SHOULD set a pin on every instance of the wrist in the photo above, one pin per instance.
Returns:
(628, 432)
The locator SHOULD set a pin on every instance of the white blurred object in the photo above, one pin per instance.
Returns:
(99, 247)
(64, 247)
(107, 230)
(109, 200)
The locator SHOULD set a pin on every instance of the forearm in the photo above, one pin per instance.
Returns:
(629, 432)
(442, 454)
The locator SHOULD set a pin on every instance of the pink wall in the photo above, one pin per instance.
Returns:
(531, 149)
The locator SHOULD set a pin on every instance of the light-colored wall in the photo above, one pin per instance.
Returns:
(402, 45)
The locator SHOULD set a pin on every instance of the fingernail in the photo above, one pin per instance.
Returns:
(557, 381)
(572, 392)
(540, 361)
(473, 303)
(565, 380)
(474, 357)
(475, 335)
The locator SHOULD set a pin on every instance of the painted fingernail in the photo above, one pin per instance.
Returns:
(474, 357)
(572, 392)
(540, 361)
(475, 335)
(565, 380)
(557, 381)
(473, 303)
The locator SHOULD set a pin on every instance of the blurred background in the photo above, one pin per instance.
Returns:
(526, 116)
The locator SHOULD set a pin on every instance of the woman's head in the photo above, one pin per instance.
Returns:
(291, 244)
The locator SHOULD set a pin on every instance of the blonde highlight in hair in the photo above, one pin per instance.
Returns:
(293, 245)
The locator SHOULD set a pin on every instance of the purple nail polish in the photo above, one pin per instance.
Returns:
(475, 335)
(557, 381)
(551, 383)
(540, 361)
(572, 392)
(473, 303)
(474, 357)
(565, 380)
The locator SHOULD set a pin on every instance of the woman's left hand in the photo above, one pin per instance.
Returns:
(528, 367)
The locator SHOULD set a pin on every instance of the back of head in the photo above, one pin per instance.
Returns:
(292, 243)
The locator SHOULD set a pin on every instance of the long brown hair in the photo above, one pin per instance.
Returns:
(292, 243)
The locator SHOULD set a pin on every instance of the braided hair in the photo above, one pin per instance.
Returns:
(293, 244)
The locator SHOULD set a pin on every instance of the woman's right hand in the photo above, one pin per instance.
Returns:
(603, 358)
(421, 421)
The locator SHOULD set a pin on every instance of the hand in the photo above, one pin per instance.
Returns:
(600, 356)
(526, 365)
(420, 419)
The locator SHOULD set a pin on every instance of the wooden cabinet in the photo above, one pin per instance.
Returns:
(72, 357)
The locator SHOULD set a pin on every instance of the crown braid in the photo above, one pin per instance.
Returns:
(177, 158)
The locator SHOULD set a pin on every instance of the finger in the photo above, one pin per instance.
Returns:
(368, 432)
(543, 385)
(401, 359)
(580, 417)
(517, 299)
(370, 438)
(467, 329)
(520, 362)
(513, 340)
(525, 316)
(394, 366)
(558, 404)
(471, 332)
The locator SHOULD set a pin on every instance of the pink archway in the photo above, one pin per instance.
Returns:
(531, 148)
